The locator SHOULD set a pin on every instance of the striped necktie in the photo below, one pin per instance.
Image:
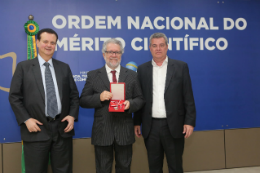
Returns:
(52, 106)
(114, 75)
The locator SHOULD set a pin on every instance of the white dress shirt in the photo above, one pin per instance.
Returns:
(159, 80)
(110, 75)
(42, 66)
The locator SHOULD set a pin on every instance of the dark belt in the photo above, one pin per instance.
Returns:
(49, 119)
(159, 118)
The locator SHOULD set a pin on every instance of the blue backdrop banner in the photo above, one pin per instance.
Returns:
(218, 39)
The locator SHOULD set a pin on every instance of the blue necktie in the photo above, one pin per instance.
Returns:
(52, 106)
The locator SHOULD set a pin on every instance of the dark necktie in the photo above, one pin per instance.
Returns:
(52, 106)
(114, 75)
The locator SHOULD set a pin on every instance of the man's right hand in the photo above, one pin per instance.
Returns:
(32, 125)
(105, 95)
(138, 131)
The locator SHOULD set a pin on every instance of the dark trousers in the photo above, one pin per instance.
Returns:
(160, 141)
(36, 154)
(105, 156)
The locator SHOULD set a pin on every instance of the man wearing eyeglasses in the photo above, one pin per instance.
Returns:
(112, 131)
(169, 113)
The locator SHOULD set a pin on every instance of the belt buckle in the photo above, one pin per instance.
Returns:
(50, 119)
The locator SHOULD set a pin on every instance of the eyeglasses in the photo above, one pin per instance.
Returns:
(112, 52)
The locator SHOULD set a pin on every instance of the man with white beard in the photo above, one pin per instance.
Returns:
(112, 131)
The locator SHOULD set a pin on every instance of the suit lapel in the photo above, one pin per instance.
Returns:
(38, 76)
(150, 77)
(58, 73)
(123, 74)
(169, 74)
(104, 77)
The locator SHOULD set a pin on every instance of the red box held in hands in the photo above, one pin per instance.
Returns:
(117, 101)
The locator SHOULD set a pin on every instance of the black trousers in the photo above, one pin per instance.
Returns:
(160, 141)
(105, 156)
(36, 154)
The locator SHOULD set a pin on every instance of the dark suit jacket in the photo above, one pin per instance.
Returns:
(110, 126)
(27, 97)
(178, 97)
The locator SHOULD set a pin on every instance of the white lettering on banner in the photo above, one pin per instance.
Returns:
(173, 23)
(178, 42)
(207, 43)
(100, 22)
(86, 43)
(201, 45)
(138, 48)
(186, 43)
(131, 21)
(146, 44)
(87, 22)
(159, 23)
(169, 44)
(147, 23)
(121, 40)
(96, 44)
(63, 42)
(134, 45)
(192, 23)
(81, 77)
(193, 42)
(229, 23)
(155, 22)
(90, 22)
(202, 24)
(176, 23)
(167, 23)
(103, 39)
(62, 18)
(74, 41)
(73, 21)
(224, 42)
(115, 22)
(244, 24)
(211, 24)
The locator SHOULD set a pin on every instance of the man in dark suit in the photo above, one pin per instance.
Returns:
(112, 130)
(169, 113)
(45, 101)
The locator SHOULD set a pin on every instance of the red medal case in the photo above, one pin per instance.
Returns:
(117, 101)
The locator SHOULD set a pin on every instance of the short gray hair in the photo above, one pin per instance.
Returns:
(114, 41)
(158, 35)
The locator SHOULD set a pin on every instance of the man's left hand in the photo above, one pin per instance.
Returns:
(188, 129)
(70, 125)
(127, 104)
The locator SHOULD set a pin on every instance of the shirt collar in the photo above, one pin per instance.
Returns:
(165, 62)
(108, 69)
(42, 61)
